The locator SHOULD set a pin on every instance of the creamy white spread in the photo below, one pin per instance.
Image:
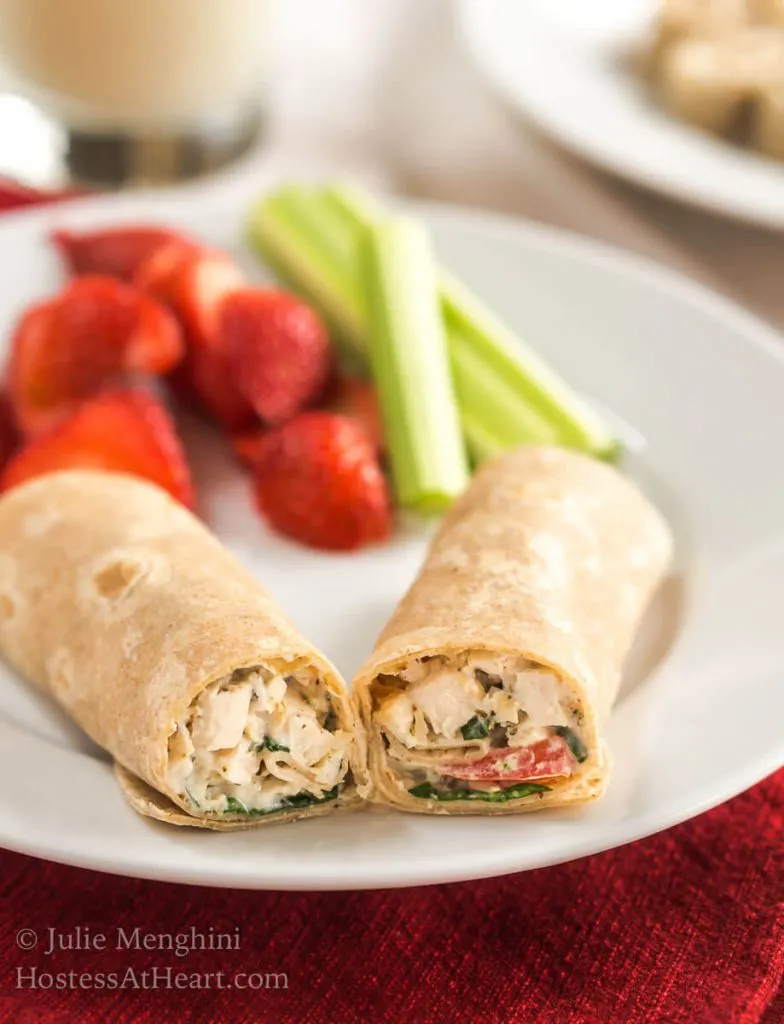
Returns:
(430, 704)
(255, 740)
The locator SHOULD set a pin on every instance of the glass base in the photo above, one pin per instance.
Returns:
(41, 152)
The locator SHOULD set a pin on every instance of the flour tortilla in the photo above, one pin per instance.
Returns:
(551, 556)
(122, 606)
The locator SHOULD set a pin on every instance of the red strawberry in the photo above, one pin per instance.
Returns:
(278, 350)
(205, 377)
(32, 390)
(193, 282)
(356, 398)
(248, 446)
(318, 481)
(65, 350)
(8, 438)
(125, 431)
(153, 272)
(117, 252)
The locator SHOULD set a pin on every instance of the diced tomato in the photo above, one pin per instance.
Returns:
(547, 758)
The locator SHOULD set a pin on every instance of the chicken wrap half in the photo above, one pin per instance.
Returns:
(118, 603)
(488, 690)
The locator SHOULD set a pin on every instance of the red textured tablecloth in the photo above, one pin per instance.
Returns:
(686, 927)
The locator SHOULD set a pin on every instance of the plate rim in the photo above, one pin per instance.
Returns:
(754, 330)
(473, 14)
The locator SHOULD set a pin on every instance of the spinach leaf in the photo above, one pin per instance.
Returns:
(426, 791)
(234, 806)
(573, 742)
(270, 744)
(474, 729)
(306, 799)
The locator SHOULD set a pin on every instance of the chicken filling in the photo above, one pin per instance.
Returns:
(259, 741)
(478, 727)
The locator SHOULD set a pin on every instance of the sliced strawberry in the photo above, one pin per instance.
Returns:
(547, 758)
(204, 284)
(318, 480)
(96, 330)
(193, 282)
(8, 437)
(32, 390)
(126, 431)
(248, 446)
(203, 380)
(356, 398)
(155, 272)
(278, 350)
(117, 252)
(155, 345)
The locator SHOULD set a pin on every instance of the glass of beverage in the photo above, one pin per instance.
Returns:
(131, 91)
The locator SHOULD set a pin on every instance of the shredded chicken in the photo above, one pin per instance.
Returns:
(478, 723)
(433, 701)
(251, 742)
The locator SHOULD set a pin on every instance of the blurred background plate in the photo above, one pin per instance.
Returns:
(564, 64)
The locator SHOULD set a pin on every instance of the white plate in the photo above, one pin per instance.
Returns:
(560, 63)
(699, 719)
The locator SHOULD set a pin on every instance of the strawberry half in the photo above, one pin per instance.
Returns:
(95, 331)
(248, 446)
(354, 397)
(318, 480)
(204, 379)
(278, 351)
(193, 283)
(125, 431)
(8, 437)
(154, 273)
(117, 252)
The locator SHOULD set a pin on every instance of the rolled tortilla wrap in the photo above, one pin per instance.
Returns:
(167, 652)
(488, 690)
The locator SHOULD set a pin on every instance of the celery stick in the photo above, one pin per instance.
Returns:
(506, 394)
(410, 364)
(503, 355)
(491, 407)
(473, 328)
(313, 245)
(481, 445)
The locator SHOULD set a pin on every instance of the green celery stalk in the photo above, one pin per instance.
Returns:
(504, 359)
(494, 418)
(312, 244)
(410, 364)
(506, 394)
